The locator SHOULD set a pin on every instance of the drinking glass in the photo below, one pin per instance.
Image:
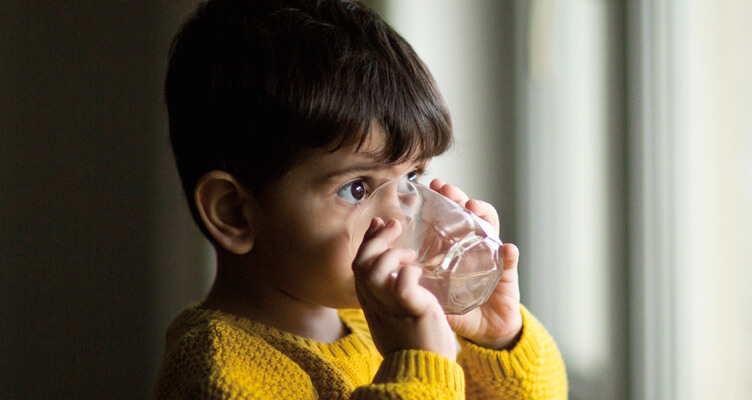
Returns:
(459, 253)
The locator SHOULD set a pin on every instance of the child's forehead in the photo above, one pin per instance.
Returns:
(358, 159)
(323, 167)
(328, 165)
(370, 149)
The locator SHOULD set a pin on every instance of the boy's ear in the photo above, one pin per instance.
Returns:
(227, 210)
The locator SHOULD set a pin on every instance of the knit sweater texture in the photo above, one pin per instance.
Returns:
(214, 355)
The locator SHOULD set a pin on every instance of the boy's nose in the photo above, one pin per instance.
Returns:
(397, 200)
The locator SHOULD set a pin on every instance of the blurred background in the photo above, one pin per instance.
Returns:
(614, 138)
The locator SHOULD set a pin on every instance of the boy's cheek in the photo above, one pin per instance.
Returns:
(355, 236)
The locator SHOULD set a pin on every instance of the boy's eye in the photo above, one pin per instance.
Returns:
(353, 192)
(413, 176)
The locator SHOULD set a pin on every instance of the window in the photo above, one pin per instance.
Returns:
(615, 138)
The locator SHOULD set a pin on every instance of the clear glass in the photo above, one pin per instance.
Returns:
(460, 254)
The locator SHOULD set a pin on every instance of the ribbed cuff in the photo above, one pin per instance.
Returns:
(520, 362)
(421, 366)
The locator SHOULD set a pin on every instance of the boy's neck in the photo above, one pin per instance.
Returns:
(256, 301)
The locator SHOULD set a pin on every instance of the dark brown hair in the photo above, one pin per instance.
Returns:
(251, 84)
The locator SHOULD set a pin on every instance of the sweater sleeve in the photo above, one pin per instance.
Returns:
(533, 369)
(413, 374)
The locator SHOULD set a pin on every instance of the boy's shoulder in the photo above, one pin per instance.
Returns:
(209, 352)
(212, 330)
(208, 332)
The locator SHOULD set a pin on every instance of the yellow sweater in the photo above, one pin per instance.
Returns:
(214, 355)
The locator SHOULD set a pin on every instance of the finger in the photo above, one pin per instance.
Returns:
(455, 194)
(369, 246)
(449, 191)
(436, 184)
(485, 211)
(510, 256)
(380, 280)
(376, 225)
(481, 209)
(382, 272)
(412, 297)
(375, 242)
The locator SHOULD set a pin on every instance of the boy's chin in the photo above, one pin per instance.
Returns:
(348, 303)
(355, 306)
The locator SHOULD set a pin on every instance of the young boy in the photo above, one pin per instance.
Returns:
(284, 116)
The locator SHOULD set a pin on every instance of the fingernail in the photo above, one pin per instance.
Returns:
(391, 223)
(372, 226)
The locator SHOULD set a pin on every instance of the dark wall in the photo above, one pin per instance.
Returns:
(89, 200)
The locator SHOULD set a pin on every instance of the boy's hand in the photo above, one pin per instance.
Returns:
(497, 323)
(401, 314)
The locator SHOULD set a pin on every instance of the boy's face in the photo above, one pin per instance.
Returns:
(307, 233)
